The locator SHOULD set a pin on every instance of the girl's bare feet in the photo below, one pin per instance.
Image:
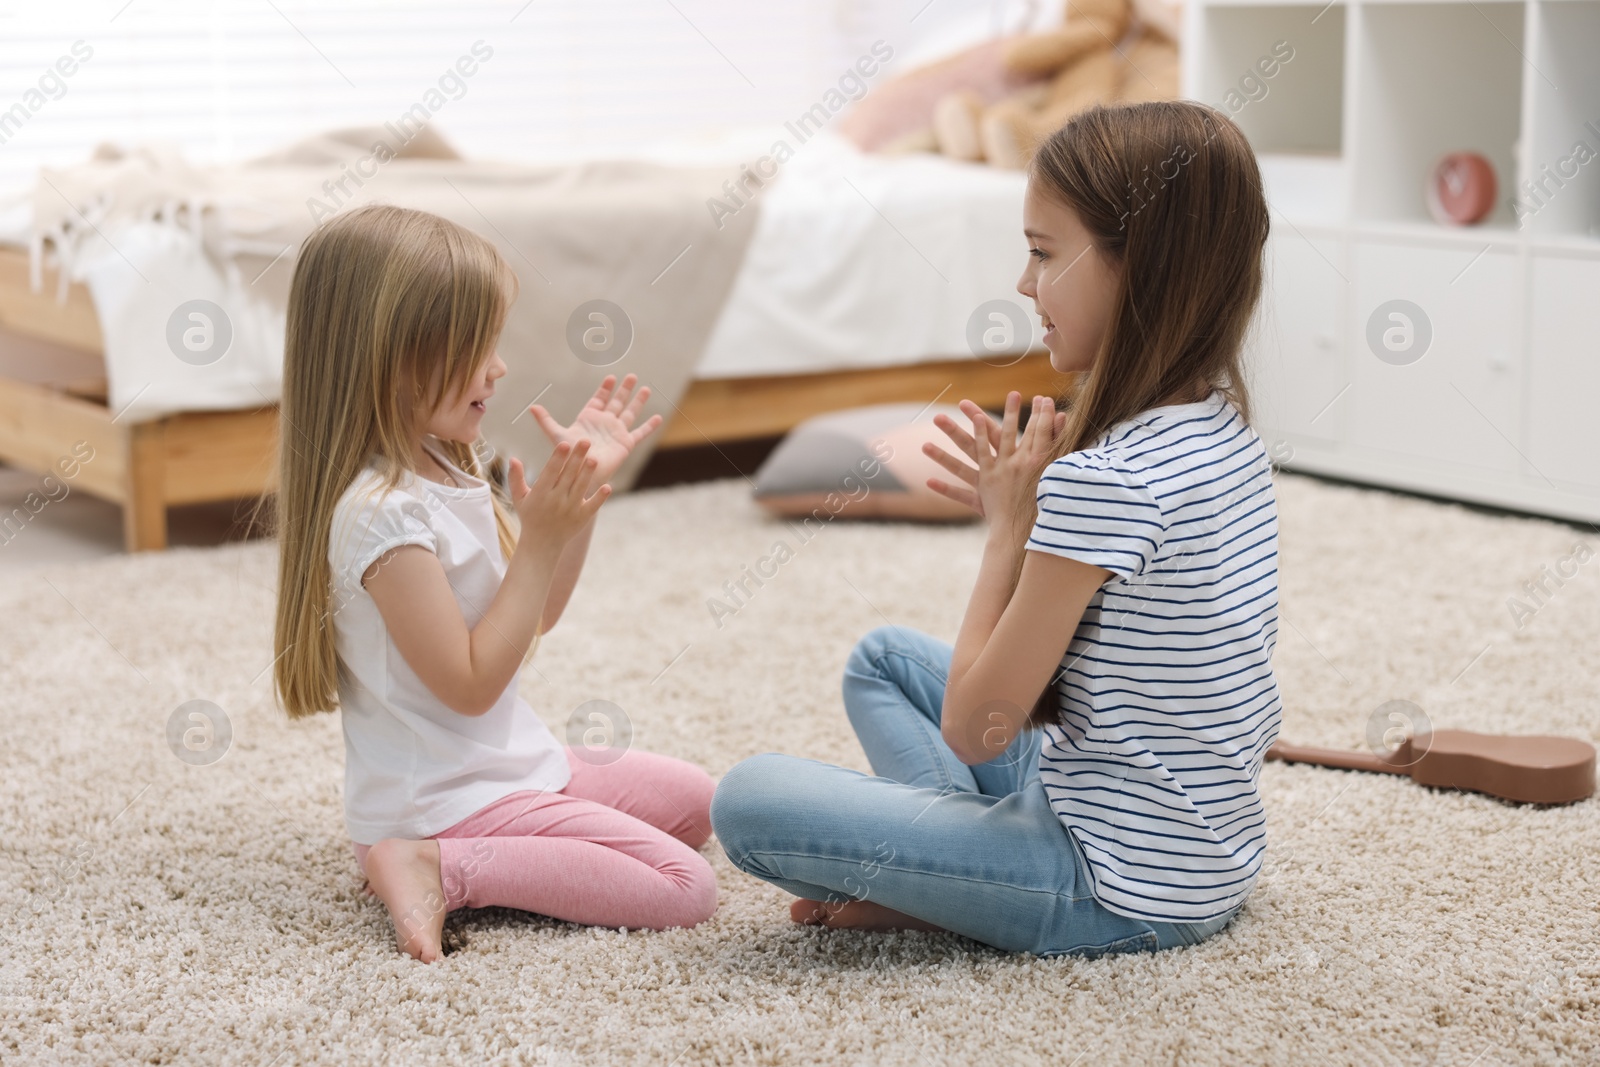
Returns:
(405, 876)
(856, 915)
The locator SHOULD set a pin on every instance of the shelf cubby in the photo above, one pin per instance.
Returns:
(1298, 108)
(1434, 78)
(1559, 192)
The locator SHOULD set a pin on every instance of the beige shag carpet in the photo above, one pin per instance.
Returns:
(162, 912)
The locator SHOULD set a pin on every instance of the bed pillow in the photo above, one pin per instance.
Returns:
(863, 463)
(895, 115)
(962, 52)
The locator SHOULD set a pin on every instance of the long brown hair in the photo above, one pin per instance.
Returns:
(1171, 192)
(390, 310)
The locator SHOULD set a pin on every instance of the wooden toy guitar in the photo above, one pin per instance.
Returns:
(1530, 770)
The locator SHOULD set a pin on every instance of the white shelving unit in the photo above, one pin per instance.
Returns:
(1503, 406)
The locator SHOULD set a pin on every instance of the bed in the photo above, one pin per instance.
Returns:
(856, 287)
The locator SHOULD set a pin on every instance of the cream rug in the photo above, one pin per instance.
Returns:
(163, 912)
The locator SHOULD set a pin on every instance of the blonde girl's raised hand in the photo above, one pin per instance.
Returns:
(557, 505)
(606, 422)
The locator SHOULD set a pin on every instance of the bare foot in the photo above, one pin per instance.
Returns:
(856, 915)
(405, 876)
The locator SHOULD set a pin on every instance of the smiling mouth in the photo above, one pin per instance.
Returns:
(478, 405)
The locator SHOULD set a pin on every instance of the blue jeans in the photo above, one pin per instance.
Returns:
(975, 850)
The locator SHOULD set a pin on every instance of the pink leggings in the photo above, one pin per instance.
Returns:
(616, 847)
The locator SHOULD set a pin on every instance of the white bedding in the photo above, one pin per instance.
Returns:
(857, 261)
(869, 261)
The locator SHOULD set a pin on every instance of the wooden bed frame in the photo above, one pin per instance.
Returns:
(197, 457)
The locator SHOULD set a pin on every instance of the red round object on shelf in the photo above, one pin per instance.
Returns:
(1461, 189)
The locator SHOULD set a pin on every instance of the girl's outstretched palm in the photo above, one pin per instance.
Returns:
(606, 422)
(1000, 441)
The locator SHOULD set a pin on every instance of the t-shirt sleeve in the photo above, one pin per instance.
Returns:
(1096, 513)
(369, 522)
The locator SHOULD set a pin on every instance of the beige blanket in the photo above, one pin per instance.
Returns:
(637, 235)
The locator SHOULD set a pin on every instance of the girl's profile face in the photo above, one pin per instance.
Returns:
(460, 414)
(1071, 282)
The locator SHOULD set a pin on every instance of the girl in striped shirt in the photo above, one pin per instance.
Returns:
(1080, 772)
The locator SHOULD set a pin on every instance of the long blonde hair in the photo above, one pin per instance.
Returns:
(390, 311)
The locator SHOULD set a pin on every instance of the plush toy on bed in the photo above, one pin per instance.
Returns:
(1072, 67)
(995, 102)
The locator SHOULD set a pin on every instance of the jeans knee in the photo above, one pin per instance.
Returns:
(873, 644)
(743, 798)
(865, 671)
(902, 667)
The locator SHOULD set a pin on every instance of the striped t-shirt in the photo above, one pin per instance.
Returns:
(1167, 696)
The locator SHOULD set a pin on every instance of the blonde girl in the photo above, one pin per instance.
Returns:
(1079, 772)
(411, 591)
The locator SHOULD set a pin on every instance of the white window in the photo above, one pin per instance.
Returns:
(562, 78)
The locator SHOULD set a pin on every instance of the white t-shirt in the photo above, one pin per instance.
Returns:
(412, 766)
(1167, 696)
